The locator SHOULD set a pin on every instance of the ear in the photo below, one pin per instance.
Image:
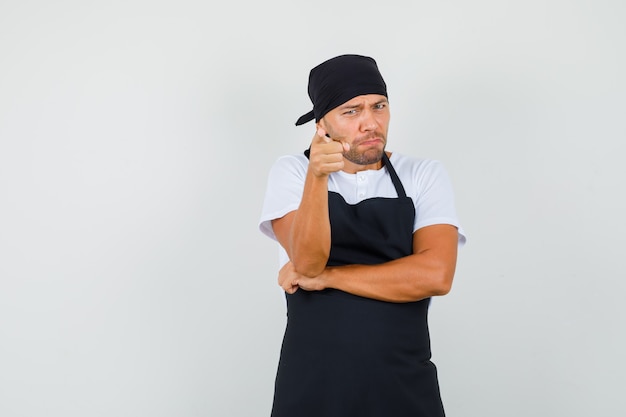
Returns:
(321, 124)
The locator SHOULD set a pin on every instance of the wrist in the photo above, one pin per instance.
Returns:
(326, 277)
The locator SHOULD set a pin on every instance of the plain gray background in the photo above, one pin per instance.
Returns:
(135, 140)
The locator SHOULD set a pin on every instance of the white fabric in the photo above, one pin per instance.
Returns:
(424, 180)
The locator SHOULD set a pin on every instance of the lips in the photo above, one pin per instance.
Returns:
(371, 141)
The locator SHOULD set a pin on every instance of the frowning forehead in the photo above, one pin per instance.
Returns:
(364, 101)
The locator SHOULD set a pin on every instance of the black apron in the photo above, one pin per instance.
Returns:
(350, 356)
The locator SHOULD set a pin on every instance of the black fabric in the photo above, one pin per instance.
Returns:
(340, 79)
(350, 356)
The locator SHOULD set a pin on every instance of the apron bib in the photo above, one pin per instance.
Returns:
(350, 356)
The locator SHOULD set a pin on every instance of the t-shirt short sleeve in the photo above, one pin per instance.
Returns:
(284, 190)
(433, 194)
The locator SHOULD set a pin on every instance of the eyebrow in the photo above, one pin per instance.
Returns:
(354, 106)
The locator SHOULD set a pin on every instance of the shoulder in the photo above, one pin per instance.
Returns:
(294, 161)
(289, 165)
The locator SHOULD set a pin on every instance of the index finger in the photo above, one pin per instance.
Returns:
(321, 136)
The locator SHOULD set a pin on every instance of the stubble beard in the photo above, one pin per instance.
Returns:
(367, 157)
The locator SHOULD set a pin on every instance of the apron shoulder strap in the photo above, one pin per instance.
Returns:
(394, 177)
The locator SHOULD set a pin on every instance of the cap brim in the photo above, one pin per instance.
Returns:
(305, 118)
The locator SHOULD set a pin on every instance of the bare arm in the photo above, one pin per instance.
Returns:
(305, 232)
(427, 272)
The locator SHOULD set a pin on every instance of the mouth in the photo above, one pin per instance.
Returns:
(370, 141)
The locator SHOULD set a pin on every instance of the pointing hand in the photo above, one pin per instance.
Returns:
(326, 153)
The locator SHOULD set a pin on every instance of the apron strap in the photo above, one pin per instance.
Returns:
(394, 177)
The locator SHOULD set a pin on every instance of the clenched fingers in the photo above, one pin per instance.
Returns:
(287, 277)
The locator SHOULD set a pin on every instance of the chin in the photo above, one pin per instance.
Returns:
(371, 156)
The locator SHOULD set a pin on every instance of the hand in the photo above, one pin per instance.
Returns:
(326, 154)
(287, 276)
(290, 280)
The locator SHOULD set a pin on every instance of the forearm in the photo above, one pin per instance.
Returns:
(411, 278)
(305, 233)
(425, 273)
(309, 235)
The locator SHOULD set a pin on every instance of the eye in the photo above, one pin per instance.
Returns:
(350, 112)
(380, 106)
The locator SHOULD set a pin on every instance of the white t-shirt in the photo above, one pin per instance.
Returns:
(424, 180)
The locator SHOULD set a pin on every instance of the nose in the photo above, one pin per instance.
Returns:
(368, 120)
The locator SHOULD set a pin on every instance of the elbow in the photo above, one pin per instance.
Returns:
(442, 284)
(309, 269)
(434, 286)
(442, 289)
(310, 265)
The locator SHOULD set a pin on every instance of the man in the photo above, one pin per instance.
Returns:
(366, 238)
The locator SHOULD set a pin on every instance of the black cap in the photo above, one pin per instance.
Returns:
(340, 79)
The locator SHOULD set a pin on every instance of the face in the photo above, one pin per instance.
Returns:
(362, 122)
